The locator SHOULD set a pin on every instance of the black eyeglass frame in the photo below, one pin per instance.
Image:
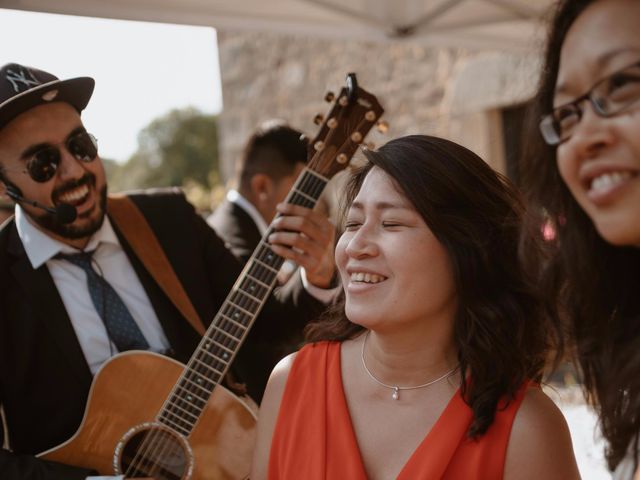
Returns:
(50, 167)
(551, 132)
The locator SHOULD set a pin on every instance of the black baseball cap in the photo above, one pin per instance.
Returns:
(23, 88)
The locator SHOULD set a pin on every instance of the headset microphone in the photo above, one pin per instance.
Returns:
(64, 212)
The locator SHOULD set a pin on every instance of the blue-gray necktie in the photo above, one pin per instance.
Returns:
(122, 328)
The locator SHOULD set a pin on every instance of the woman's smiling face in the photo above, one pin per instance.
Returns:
(393, 268)
(600, 162)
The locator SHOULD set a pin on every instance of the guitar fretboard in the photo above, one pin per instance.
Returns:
(220, 343)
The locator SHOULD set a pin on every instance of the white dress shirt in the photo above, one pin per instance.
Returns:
(71, 282)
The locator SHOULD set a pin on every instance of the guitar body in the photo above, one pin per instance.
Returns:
(128, 392)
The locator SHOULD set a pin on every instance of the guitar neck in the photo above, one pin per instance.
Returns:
(222, 340)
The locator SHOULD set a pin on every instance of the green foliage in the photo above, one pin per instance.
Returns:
(180, 148)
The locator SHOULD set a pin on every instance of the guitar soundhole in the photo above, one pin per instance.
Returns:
(154, 451)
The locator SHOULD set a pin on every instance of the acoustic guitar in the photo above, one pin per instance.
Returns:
(150, 416)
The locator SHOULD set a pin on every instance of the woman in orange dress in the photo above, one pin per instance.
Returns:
(424, 371)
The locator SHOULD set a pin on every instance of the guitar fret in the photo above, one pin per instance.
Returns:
(190, 424)
(192, 394)
(302, 201)
(226, 334)
(246, 312)
(307, 184)
(173, 405)
(215, 357)
(318, 175)
(208, 367)
(229, 319)
(265, 273)
(226, 325)
(312, 188)
(258, 281)
(245, 300)
(195, 384)
(212, 342)
(266, 266)
(176, 427)
(311, 199)
(255, 299)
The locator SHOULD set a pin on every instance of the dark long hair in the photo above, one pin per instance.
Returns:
(476, 214)
(594, 285)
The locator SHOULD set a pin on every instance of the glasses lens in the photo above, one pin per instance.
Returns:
(619, 91)
(549, 130)
(83, 147)
(560, 124)
(44, 163)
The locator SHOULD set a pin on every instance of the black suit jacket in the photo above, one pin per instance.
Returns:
(238, 230)
(44, 377)
(241, 235)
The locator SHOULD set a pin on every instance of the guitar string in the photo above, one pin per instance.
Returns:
(292, 195)
(156, 445)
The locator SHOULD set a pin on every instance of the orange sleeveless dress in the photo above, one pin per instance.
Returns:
(314, 437)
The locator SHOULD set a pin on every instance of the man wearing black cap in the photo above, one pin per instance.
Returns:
(72, 290)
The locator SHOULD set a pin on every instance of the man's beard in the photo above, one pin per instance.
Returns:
(50, 222)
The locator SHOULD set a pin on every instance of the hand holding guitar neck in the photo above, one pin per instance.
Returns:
(306, 237)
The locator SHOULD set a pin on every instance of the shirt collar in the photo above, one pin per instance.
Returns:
(41, 248)
(235, 197)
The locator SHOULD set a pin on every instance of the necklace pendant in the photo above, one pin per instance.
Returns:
(396, 393)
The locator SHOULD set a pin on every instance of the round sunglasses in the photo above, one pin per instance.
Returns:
(42, 165)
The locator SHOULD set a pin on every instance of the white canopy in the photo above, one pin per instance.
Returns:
(503, 24)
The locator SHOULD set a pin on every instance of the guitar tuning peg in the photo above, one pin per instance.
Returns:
(382, 126)
(318, 119)
(329, 97)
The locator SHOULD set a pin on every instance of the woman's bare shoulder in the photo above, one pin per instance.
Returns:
(540, 443)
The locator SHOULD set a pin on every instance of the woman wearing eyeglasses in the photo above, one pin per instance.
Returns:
(582, 174)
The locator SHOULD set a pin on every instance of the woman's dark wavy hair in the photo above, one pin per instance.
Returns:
(476, 214)
(593, 285)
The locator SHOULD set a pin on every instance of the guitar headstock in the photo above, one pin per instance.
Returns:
(354, 112)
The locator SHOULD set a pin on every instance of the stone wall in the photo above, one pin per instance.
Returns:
(448, 92)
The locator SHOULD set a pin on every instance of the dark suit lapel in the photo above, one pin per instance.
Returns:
(49, 309)
(248, 228)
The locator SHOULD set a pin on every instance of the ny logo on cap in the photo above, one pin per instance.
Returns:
(24, 77)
